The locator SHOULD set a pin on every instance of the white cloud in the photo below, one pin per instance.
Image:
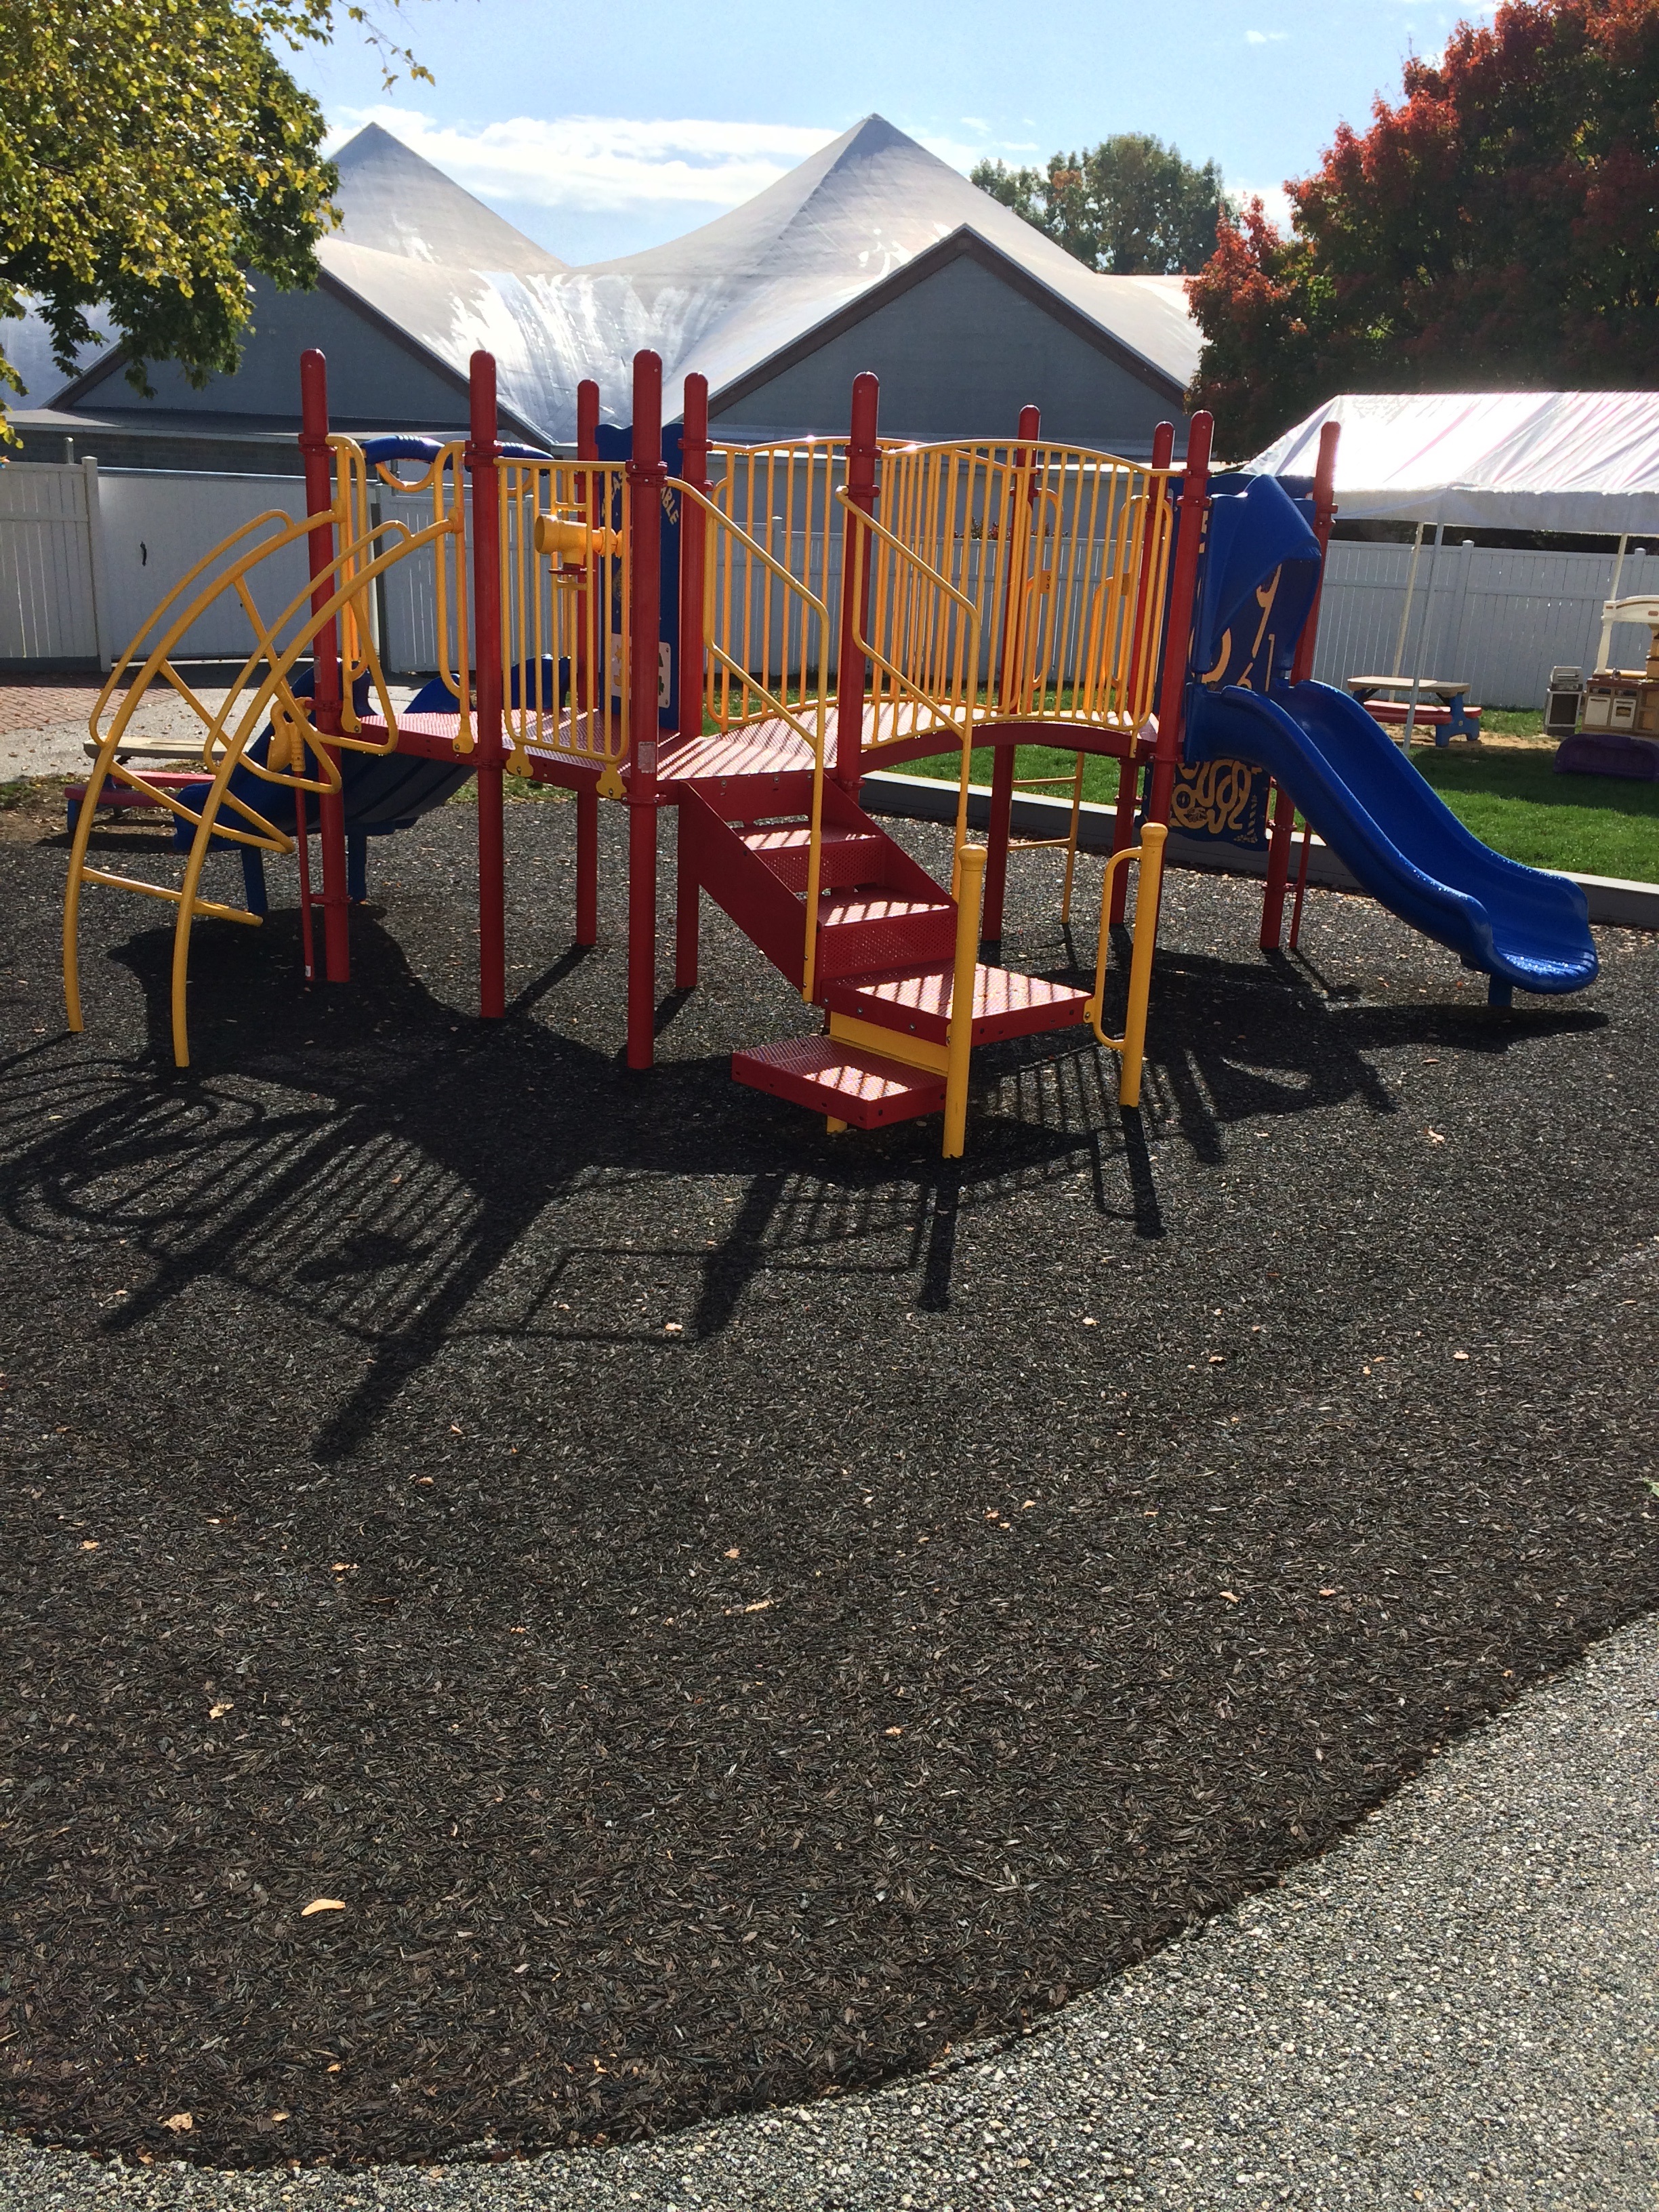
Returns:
(960, 155)
(1265, 38)
(599, 163)
(1275, 200)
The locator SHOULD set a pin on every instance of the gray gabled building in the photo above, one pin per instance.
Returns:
(872, 254)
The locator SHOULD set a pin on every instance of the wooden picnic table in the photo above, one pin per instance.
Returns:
(1448, 694)
(1449, 712)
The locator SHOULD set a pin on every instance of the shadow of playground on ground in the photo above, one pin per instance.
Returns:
(687, 1720)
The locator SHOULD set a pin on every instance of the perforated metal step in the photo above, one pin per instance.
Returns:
(918, 1000)
(843, 1082)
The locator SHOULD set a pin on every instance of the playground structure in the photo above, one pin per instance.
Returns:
(742, 641)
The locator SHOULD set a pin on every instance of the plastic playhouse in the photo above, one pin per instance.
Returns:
(742, 636)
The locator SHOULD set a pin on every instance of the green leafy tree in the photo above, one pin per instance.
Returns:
(1495, 227)
(1130, 206)
(153, 153)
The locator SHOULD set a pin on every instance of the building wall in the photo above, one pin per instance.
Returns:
(958, 355)
(230, 451)
(371, 378)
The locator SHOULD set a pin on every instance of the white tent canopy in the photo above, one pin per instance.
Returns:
(1584, 461)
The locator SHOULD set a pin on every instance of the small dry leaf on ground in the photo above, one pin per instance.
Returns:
(322, 1905)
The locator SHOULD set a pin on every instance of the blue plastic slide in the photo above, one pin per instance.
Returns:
(1409, 850)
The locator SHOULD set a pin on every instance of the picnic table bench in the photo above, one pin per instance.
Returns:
(143, 750)
(1449, 717)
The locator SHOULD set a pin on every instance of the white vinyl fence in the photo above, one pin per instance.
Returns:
(1495, 619)
(156, 526)
(86, 555)
(49, 597)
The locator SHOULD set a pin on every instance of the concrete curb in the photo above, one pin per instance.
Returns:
(928, 799)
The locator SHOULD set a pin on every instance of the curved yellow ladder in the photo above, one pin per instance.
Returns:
(353, 568)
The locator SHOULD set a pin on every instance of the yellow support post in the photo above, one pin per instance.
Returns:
(1152, 835)
(959, 1037)
(1131, 1045)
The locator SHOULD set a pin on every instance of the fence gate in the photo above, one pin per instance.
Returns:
(49, 607)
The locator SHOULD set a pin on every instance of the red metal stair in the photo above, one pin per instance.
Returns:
(884, 968)
(843, 1082)
(916, 1002)
(877, 908)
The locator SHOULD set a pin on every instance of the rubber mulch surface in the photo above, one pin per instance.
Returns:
(717, 1611)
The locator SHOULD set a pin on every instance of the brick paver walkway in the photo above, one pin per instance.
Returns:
(42, 701)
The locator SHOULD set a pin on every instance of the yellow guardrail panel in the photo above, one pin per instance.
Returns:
(1065, 553)
(443, 479)
(565, 612)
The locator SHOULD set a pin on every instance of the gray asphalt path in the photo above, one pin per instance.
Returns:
(1458, 2008)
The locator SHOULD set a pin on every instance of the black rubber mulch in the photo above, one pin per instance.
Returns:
(728, 1611)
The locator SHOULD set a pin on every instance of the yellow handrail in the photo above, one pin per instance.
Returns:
(938, 676)
(1131, 1045)
(970, 875)
(726, 667)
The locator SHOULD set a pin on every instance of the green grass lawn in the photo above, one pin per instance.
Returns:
(1509, 795)
(1514, 801)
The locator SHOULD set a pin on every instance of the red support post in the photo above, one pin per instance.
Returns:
(1324, 516)
(589, 687)
(1002, 758)
(587, 420)
(1279, 869)
(694, 471)
(850, 665)
(1128, 773)
(688, 904)
(1178, 630)
(646, 477)
(489, 756)
(324, 658)
(1279, 851)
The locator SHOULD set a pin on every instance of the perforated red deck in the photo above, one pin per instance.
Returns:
(577, 741)
(770, 748)
(428, 737)
(862, 1088)
(918, 1001)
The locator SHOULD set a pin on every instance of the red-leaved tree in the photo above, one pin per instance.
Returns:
(1499, 229)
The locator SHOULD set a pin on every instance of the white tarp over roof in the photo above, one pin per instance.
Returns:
(450, 274)
(723, 299)
(26, 341)
(1585, 461)
(393, 200)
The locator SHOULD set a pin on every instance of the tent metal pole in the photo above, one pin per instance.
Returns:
(1405, 612)
(1423, 628)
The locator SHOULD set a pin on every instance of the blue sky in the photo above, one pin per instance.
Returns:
(607, 127)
